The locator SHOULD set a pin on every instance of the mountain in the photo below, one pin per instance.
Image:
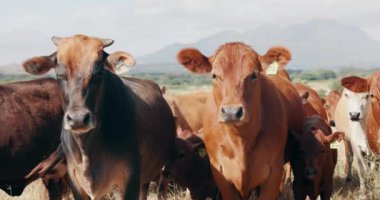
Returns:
(315, 44)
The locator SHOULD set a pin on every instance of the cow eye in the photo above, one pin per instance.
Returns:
(213, 76)
(345, 94)
(254, 76)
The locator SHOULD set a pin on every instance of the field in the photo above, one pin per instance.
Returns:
(184, 83)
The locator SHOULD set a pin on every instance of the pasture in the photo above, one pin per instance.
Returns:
(185, 83)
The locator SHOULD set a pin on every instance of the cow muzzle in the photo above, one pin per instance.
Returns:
(311, 173)
(355, 116)
(79, 120)
(231, 113)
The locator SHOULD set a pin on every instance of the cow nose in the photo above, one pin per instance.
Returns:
(311, 173)
(332, 123)
(77, 119)
(354, 116)
(231, 113)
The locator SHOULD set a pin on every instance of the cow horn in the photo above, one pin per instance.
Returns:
(56, 40)
(107, 42)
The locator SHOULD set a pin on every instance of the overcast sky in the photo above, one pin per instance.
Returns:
(143, 26)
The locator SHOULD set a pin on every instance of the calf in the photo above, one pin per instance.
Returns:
(191, 169)
(314, 163)
(117, 132)
(349, 114)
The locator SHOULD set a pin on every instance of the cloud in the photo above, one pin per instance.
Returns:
(143, 26)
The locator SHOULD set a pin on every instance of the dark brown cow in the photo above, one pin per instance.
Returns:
(246, 120)
(314, 163)
(191, 169)
(312, 103)
(188, 109)
(30, 119)
(332, 100)
(117, 133)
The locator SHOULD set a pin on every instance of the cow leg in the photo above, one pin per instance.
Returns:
(144, 191)
(227, 190)
(162, 188)
(56, 189)
(269, 189)
(77, 193)
(349, 160)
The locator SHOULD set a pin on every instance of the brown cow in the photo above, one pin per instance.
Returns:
(313, 104)
(191, 169)
(314, 163)
(372, 121)
(30, 119)
(188, 109)
(117, 133)
(246, 120)
(332, 100)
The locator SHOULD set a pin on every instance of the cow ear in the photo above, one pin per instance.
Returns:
(120, 62)
(304, 97)
(295, 136)
(194, 61)
(40, 65)
(323, 101)
(278, 54)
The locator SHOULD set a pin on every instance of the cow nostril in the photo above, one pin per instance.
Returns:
(239, 113)
(86, 119)
(332, 123)
(68, 117)
(223, 110)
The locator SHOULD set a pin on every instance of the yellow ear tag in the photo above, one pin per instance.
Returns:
(272, 69)
(334, 144)
(202, 152)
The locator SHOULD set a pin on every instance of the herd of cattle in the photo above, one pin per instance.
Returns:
(92, 132)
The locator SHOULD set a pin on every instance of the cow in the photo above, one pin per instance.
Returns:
(315, 161)
(188, 109)
(190, 169)
(117, 133)
(332, 99)
(349, 114)
(313, 104)
(372, 120)
(30, 119)
(247, 112)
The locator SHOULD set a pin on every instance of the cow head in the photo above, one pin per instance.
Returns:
(314, 143)
(80, 64)
(355, 95)
(330, 105)
(237, 76)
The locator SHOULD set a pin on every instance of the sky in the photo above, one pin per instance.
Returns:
(141, 27)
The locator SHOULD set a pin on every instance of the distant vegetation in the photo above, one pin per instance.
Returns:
(183, 81)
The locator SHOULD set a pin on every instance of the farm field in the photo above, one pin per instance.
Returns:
(187, 84)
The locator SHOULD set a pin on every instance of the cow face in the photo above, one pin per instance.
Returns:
(236, 79)
(355, 96)
(330, 105)
(313, 145)
(80, 64)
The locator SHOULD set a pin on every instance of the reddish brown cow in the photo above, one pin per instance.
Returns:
(372, 121)
(30, 119)
(332, 100)
(246, 120)
(191, 169)
(117, 133)
(312, 103)
(188, 109)
(314, 163)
